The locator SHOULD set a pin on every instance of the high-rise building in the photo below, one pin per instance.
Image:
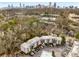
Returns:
(50, 8)
(23, 5)
(8, 6)
(39, 5)
(11, 5)
(50, 4)
(20, 5)
(76, 7)
(71, 7)
(54, 5)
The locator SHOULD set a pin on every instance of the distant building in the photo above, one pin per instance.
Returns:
(8, 6)
(58, 6)
(50, 15)
(54, 5)
(11, 5)
(76, 7)
(50, 4)
(23, 5)
(48, 19)
(20, 5)
(71, 7)
(38, 6)
(74, 17)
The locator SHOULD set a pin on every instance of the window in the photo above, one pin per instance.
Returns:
(54, 40)
(42, 41)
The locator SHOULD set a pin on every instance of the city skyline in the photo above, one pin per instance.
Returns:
(17, 4)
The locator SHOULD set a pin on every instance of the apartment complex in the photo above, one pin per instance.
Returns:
(73, 17)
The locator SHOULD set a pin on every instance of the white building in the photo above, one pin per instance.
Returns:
(1, 33)
(75, 50)
(26, 47)
(49, 17)
(74, 17)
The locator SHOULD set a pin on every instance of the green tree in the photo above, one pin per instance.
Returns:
(77, 35)
(53, 53)
(63, 42)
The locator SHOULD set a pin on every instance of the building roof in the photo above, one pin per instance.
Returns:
(30, 42)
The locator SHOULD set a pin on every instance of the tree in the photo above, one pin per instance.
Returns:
(53, 53)
(63, 21)
(77, 35)
(63, 42)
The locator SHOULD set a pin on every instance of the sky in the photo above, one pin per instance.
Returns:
(61, 4)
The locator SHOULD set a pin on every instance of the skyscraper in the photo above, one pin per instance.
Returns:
(20, 5)
(8, 6)
(54, 5)
(50, 8)
(11, 5)
(23, 5)
(50, 4)
(39, 5)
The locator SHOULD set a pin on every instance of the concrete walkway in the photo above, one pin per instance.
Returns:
(57, 50)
